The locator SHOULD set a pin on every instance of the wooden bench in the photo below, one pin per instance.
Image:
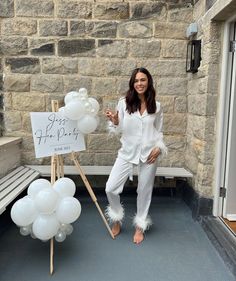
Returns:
(167, 172)
(14, 183)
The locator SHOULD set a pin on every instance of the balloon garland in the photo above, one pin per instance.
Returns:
(84, 109)
(47, 211)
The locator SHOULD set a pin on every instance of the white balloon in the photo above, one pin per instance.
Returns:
(24, 212)
(37, 186)
(60, 236)
(95, 105)
(65, 187)
(68, 210)
(83, 92)
(69, 229)
(47, 200)
(70, 96)
(87, 124)
(25, 230)
(74, 110)
(45, 226)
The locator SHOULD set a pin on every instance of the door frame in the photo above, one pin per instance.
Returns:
(222, 121)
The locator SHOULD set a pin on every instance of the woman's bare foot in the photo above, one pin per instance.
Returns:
(116, 228)
(138, 236)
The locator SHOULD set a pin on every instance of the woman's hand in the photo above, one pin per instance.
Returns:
(153, 155)
(112, 116)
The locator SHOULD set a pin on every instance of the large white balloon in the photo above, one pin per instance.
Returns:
(70, 96)
(87, 124)
(24, 212)
(65, 187)
(47, 200)
(95, 105)
(37, 186)
(68, 210)
(45, 226)
(74, 110)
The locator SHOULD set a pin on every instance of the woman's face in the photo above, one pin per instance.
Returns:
(141, 83)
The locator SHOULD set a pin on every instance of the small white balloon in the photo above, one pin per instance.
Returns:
(25, 230)
(60, 236)
(68, 210)
(87, 124)
(46, 201)
(65, 187)
(74, 110)
(70, 96)
(45, 226)
(69, 229)
(24, 212)
(83, 92)
(95, 105)
(37, 186)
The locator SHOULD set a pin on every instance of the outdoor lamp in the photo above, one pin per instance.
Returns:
(193, 56)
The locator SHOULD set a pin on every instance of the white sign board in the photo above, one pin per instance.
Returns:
(55, 134)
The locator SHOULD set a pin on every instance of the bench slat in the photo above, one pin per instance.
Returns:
(169, 172)
(14, 176)
(22, 179)
(11, 196)
(8, 176)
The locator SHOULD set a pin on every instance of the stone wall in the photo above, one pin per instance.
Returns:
(203, 94)
(50, 47)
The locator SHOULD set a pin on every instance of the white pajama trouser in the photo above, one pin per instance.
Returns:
(115, 184)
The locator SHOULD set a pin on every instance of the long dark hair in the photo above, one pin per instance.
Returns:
(133, 102)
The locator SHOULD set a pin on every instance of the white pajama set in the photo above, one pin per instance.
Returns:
(139, 135)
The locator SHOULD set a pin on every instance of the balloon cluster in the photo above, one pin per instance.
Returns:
(78, 106)
(47, 210)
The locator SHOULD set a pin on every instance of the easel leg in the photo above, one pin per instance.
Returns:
(89, 188)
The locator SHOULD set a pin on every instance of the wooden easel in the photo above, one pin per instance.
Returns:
(57, 171)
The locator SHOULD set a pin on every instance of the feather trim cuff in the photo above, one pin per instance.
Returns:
(114, 216)
(142, 223)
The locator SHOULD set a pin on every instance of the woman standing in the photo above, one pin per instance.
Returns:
(139, 119)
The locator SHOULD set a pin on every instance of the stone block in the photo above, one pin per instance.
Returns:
(76, 47)
(13, 46)
(174, 86)
(102, 143)
(34, 8)
(7, 101)
(53, 28)
(174, 48)
(172, 30)
(26, 124)
(23, 65)
(12, 121)
(104, 86)
(204, 175)
(175, 143)
(112, 48)
(134, 29)
(111, 11)
(103, 29)
(42, 47)
(74, 9)
(122, 86)
(180, 15)
(104, 159)
(145, 48)
(180, 104)
(167, 103)
(46, 83)
(202, 104)
(19, 27)
(74, 83)
(7, 8)
(59, 65)
(175, 123)
(28, 102)
(152, 10)
(17, 83)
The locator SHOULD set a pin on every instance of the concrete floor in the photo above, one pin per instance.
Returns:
(175, 249)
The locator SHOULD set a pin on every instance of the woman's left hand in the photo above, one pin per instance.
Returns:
(153, 155)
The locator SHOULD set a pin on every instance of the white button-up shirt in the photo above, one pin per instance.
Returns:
(139, 133)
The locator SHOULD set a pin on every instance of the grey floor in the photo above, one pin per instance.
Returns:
(175, 249)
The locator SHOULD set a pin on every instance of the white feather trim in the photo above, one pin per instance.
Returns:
(114, 216)
(162, 146)
(142, 223)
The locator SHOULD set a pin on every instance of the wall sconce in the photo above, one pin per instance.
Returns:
(193, 57)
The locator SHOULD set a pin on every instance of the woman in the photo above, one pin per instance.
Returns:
(139, 119)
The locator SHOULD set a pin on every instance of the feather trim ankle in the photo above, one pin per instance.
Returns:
(143, 224)
(114, 216)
